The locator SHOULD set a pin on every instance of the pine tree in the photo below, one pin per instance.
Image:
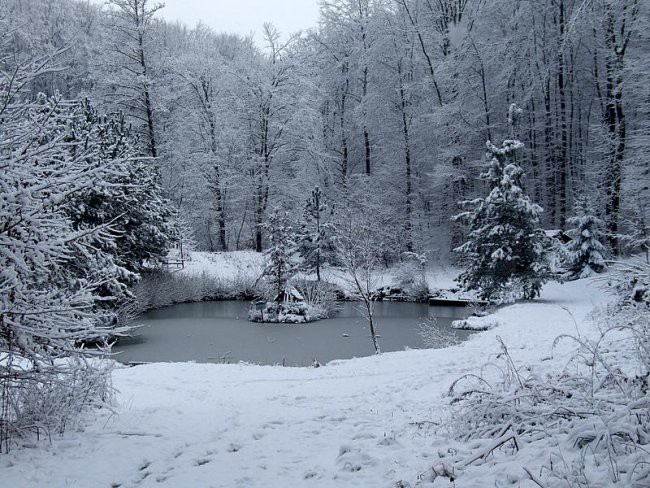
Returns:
(130, 198)
(281, 265)
(315, 237)
(586, 252)
(505, 251)
(50, 272)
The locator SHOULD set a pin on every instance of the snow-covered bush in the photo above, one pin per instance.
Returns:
(433, 337)
(475, 323)
(320, 295)
(585, 254)
(586, 424)
(285, 313)
(631, 282)
(159, 288)
(411, 276)
(53, 398)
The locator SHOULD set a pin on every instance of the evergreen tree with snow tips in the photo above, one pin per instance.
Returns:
(51, 273)
(315, 237)
(504, 253)
(130, 197)
(586, 252)
(282, 246)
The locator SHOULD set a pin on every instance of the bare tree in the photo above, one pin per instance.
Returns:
(131, 24)
(358, 247)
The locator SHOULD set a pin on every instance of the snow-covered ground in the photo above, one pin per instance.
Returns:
(362, 422)
(232, 265)
(225, 265)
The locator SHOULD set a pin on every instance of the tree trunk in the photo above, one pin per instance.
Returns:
(563, 164)
(147, 99)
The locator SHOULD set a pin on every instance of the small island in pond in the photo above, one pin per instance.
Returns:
(289, 307)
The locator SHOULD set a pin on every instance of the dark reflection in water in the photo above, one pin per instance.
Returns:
(220, 332)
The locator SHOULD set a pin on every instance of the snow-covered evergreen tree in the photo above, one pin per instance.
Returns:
(280, 254)
(50, 272)
(505, 250)
(129, 197)
(586, 252)
(315, 237)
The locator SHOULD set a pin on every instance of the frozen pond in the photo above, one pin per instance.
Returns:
(220, 332)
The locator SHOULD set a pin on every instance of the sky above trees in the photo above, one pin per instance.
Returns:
(243, 16)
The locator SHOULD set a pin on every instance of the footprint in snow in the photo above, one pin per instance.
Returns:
(234, 448)
(313, 474)
(364, 436)
(388, 441)
(353, 460)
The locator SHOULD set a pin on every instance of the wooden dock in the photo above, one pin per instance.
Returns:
(455, 302)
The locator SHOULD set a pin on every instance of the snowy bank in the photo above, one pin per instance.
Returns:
(249, 265)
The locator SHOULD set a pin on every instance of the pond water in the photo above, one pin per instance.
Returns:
(220, 332)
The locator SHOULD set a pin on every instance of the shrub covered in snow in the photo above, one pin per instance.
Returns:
(411, 276)
(53, 398)
(432, 336)
(475, 323)
(587, 424)
(159, 288)
(284, 313)
(321, 296)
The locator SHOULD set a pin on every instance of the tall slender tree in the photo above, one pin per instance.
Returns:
(315, 237)
(130, 25)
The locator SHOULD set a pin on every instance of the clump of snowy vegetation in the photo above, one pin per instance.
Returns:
(432, 336)
(411, 276)
(587, 424)
(300, 302)
(475, 323)
(321, 296)
(284, 313)
(160, 288)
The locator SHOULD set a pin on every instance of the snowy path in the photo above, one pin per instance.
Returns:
(361, 422)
